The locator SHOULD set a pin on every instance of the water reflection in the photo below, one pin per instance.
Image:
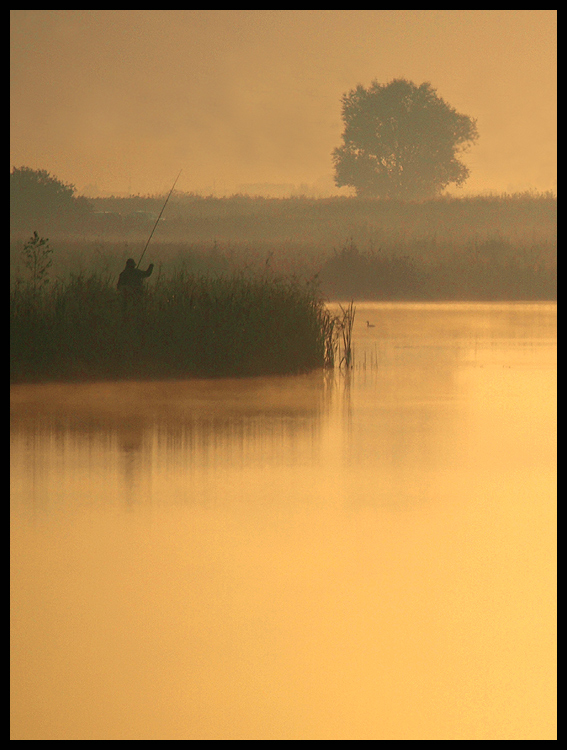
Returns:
(362, 555)
(179, 424)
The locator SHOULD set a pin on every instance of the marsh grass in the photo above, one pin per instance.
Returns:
(471, 248)
(327, 221)
(181, 326)
(487, 270)
(493, 268)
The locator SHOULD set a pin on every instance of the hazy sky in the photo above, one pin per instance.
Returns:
(124, 99)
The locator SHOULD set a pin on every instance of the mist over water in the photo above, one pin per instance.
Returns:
(350, 555)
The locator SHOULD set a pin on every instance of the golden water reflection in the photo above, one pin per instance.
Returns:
(367, 555)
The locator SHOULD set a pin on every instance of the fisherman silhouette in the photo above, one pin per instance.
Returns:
(130, 280)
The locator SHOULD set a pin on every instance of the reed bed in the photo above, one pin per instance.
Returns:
(328, 221)
(470, 248)
(494, 268)
(182, 326)
(488, 270)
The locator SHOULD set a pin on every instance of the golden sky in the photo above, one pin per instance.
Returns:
(121, 100)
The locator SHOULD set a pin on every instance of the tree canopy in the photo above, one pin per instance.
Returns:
(401, 141)
(38, 198)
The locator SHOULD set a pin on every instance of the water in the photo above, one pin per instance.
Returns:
(368, 555)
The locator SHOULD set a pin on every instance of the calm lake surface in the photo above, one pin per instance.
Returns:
(363, 555)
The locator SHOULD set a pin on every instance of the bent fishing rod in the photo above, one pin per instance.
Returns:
(159, 217)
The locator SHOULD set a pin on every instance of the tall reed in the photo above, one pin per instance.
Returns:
(339, 337)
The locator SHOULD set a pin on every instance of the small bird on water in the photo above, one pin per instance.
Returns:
(369, 324)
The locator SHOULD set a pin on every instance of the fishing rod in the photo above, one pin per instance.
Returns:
(159, 217)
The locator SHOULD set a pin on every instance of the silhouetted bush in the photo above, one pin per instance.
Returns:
(40, 200)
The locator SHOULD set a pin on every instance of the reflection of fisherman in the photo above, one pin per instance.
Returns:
(130, 280)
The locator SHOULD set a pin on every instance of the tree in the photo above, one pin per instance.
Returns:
(36, 197)
(401, 141)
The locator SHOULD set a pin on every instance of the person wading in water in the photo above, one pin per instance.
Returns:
(130, 280)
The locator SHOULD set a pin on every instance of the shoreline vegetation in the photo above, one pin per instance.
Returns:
(241, 282)
(184, 326)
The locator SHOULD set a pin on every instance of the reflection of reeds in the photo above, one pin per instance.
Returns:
(182, 326)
